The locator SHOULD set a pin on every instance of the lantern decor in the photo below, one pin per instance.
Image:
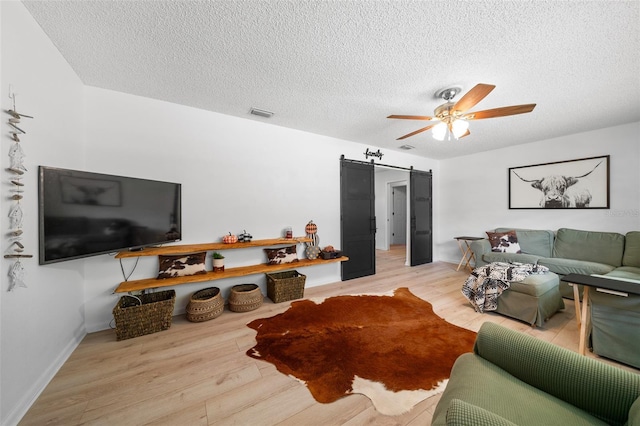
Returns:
(230, 239)
(313, 249)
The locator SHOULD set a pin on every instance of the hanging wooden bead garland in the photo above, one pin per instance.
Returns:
(17, 169)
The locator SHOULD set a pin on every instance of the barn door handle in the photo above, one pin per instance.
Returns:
(374, 228)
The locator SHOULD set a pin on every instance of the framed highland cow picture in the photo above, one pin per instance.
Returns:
(573, 184)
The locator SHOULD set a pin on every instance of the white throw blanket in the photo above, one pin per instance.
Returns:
(486, 283)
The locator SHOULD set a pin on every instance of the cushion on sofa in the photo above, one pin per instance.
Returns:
(615, 327)
(632, 249)
(510, 257)
(535, 284)
(533, 241)
(571, 266)
(462, 413)
(483, 384)
(603, 390)
(625, 272)
(592, 246)
(504, 242)
(634, 414)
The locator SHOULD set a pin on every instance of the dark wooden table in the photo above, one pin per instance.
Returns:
(616, 286)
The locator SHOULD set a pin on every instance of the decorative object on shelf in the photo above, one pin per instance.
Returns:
(181, 265)
(311, 228)
(149, 313)
(276, 256)
(313, 249)
(205, 305)
(330, 253)
(245, 298)
(16, 249)
(245, 237)
(285, 286)
(230, 239)
(288, 233)
(218, 262)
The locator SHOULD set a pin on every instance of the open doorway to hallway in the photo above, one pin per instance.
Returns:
(392, 215)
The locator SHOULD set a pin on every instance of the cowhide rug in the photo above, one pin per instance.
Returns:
(392, 348)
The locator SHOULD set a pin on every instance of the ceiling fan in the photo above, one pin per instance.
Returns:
(454, 116)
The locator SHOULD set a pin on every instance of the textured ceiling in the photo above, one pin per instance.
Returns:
(339, 68)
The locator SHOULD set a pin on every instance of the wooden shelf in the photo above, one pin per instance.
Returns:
(144, 284)
(194, 248)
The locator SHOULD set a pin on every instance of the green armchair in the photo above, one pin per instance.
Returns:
(514, 378)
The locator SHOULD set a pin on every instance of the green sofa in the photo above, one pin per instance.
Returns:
(615, 320)
(570, 251)
(512, 378)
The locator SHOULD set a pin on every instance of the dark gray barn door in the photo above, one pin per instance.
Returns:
(421, 217)
(358, 220)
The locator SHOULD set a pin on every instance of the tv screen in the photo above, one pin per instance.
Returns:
(85, 214)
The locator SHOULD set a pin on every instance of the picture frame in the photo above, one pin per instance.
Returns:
(573, 184)
(91, 192)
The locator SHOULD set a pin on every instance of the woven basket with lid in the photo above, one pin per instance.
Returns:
(205, 305)
(245, 298)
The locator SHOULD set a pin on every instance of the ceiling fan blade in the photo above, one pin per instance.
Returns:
(411, 117)
(473, 96)
(500, 112)
(416, 132)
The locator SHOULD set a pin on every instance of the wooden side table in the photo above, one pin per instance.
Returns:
(465, 249)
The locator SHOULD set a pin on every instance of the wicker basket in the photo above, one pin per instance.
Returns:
(205, 305)
(144, 314)
(283, 286)
(245, 298)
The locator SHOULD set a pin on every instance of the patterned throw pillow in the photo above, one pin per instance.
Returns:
(282, 255)
(181, 265)
(504, 242)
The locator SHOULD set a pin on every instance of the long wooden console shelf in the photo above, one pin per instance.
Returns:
(241, 271)
(194, 248)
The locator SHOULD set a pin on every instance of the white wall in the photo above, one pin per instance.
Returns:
(236, 174)
(43, 323)
(474, 197)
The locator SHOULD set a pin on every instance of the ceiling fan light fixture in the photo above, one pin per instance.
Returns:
(439, 131)
(459, 127)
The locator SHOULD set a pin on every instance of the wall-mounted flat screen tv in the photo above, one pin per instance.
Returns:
(84, 214)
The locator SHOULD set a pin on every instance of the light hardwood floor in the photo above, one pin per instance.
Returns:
(198, 373)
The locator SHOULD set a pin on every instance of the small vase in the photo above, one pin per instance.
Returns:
(218, 265)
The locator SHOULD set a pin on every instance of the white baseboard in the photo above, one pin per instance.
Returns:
(34, 392)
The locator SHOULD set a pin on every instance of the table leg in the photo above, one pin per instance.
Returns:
(576, 298)
(466, 254)
(583, 325)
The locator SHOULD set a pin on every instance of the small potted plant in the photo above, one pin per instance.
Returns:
(218, 262)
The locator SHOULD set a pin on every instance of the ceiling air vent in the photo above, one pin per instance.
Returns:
(407, 147)
(261, 112)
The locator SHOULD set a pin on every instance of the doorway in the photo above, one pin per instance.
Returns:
(398, 216)
(372, 210)
(397, 221)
